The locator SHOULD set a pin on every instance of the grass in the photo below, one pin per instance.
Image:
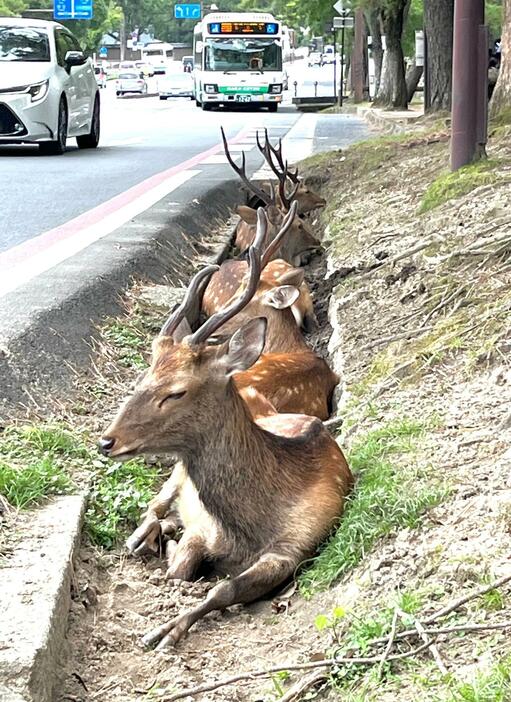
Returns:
(40, 461)
(129, 340)
(492, 685)
(35, 463)
(387, 497)
(453, 185)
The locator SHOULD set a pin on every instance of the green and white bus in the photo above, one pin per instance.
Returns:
(238, 59)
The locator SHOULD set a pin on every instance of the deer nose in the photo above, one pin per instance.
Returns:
(106, 444)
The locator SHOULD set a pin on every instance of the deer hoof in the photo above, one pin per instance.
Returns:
(145, 539)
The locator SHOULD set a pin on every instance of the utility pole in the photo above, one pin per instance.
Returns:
(469, 83)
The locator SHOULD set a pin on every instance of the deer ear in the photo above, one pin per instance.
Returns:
(245, 346)
(247, 214)
(294, 277)
(281, 297)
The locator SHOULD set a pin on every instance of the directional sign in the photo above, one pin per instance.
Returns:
(72, 9)
(187, 10)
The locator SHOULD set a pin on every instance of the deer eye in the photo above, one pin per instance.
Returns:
(173, 396)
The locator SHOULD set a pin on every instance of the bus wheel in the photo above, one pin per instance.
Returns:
(206, 106)
(273, 106)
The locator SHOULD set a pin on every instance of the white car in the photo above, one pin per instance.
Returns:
(48, 90)
(175, 85)
(130, 82)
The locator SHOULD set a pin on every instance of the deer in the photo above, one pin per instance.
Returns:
(256, 497)
(301, 243)
(227, 280)
(308, 200)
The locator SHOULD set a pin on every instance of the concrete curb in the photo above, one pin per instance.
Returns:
(389, 122)
(36, 597)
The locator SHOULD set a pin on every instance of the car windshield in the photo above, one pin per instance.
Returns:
(179, 78)
(243, 54)
(24, 44)
(128, 76)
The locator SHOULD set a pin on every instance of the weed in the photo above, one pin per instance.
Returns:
(35, 462)
(119, 491)
(452, 185)
(493, 685)
(385, 498)
(129, 341)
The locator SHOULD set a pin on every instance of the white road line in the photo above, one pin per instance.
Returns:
(62, 250)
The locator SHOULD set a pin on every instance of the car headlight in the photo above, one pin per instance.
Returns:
(38, 91)
(276, 88)
(210, 88)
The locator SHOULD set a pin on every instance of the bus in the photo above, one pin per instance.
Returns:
(238, 59)
(158, 55)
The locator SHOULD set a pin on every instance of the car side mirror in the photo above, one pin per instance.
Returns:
(75, 58)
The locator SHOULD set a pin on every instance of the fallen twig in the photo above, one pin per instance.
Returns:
(395, 337)
(405, 254)
(390, 643)
(268, 672)
(432, 646)
(296, 691)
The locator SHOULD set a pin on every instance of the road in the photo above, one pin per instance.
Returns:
(149, 148)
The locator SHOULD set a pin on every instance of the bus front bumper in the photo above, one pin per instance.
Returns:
(223, 98)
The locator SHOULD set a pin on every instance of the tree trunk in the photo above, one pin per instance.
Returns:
(438, 30)
(413, 76)
(359, 59)
(501, 99)
(392, 93)
(373, 22)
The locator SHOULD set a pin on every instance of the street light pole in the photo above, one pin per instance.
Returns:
(341, 85)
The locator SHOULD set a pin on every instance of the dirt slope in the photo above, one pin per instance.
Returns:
(421, 317)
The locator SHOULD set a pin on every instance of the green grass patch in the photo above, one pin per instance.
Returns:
(129, 340)
(492, 685)
(386, 497)
(453, 185)
(119, 493)
(39, 461)
(36, 463)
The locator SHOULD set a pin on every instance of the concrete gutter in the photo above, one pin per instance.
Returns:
(46, 327)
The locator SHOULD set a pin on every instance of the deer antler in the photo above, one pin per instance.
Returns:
(274, 245)
(267, 153)
(254, 255)
(177, 315)
(287, 199)
(242, 173)
(277, 152)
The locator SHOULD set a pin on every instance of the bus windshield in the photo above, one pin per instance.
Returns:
(243, 54)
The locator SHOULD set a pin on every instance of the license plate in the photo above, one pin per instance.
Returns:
(243, 98)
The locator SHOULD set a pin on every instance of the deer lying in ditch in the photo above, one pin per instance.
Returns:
(255, 497)
(308, 200)
(301, 242)
(226, 282)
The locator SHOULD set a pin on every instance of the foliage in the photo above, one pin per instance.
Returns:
(385, 498)
(493, 685)
(452, 185)
(35, 463)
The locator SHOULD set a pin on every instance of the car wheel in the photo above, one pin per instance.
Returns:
(57, 147)
(91, 140)
(206, 106)
(273, 106)
(163, 97)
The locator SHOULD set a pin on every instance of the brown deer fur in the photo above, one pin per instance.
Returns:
(270, 490)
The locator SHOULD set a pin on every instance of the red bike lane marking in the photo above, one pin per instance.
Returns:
(18, 254)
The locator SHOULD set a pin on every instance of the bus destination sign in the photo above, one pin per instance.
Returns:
(270, 28)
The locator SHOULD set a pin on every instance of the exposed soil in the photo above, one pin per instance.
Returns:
(426, 337)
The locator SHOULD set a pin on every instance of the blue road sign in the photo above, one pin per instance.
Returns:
(72, 9)
(103, 52)
(187, 10)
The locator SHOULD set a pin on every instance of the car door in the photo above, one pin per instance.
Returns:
(66, 80)
(84, 85)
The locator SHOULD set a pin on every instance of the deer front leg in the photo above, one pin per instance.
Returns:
(267, 573)
(184, 558)
(146, 537)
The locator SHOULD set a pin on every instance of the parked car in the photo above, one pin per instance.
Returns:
(100, 74)
(328, 54)
(187, 62)
(130, 82)
(175, 85)
(145, 68)
(315, 59)
(48, 90)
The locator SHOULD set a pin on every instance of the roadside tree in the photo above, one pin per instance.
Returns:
(501, 99)
(438, 24)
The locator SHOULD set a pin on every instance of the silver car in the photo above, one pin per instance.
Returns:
(175, 85)
(48, 91)
(130, 82)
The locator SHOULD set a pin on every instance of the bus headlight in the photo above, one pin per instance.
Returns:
(210, 88)
(276, 88)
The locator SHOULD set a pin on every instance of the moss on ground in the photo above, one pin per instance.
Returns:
(449, 186)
